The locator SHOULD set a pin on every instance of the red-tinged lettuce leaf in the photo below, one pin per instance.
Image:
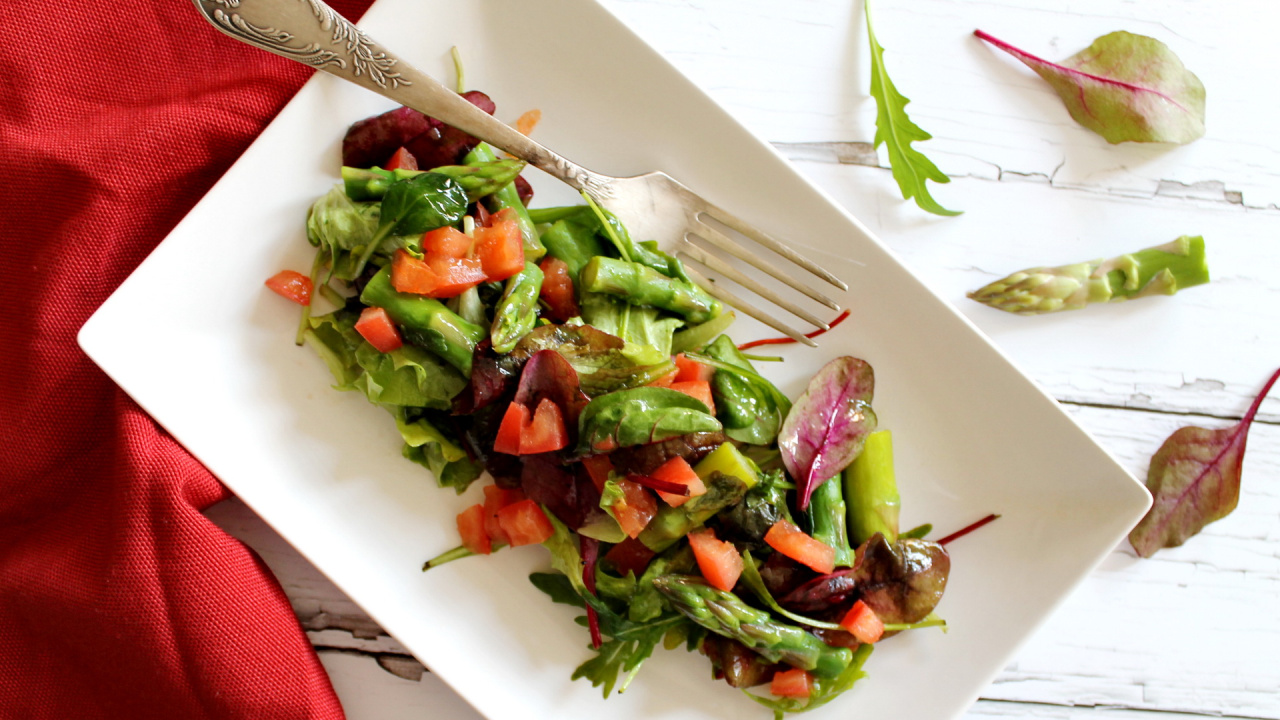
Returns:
(1194, 479)
(372, 141)
(549, 375)
(828, 424)
(1125, 87)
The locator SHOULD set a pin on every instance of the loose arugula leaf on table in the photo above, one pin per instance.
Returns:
(828, 424)
(1125, 87)
(1194, 479)
(896, 132)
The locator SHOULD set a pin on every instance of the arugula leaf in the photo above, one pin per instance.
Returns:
(896, 132)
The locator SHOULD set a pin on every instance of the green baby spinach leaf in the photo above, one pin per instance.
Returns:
(638, 416)
(896, 132)
(1194, 479)
(1125, 87)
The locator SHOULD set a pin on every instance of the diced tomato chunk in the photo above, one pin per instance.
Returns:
(455, 275)
(793, 683)
(698, 390)
(546, 432)
(402, 160)
(525, 523)
(513, 424)
(496, 498)
(677, 470)
(557, 289)
(692, 370)
(436, 276)
(598, 467)
(471, 528)
(791, 541)
(666, 380)
(291, 284)
(500, 246)
(863, 623)
(630, 555)
(447, 241)
(719, 560)
(375, 326)
(636, 508)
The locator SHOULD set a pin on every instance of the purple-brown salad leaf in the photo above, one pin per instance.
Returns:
(1125, 87)
(1194, 479)
(828, 424)
(902, 581)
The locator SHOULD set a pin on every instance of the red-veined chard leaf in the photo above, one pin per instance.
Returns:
(1125, 87)
(1194, 479)
(828, 424)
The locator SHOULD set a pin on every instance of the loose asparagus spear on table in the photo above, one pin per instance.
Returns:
(1161, 270)
(726, 614)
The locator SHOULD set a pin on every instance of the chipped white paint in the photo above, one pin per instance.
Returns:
(1194, 630)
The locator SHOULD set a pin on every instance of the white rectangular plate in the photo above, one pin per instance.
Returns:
(972, 434)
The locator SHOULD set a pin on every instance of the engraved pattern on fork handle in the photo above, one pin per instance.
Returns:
(278, 27)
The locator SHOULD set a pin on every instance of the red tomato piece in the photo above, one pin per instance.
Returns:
(375, 326)
(598, 467)
(447, 241)
(718, 560)
(513, 424)
(525, 523)
(496, 498)
(557, 289)
(676, 470)
(791, 541)
(698, 390)
(471, 528)
(455, 275)
(666, 380)
(546, 431)
(793, 683)
(692, 370)
(863, 623)
(402, 160)
(412, 275)
(500, 246)
(291, 284)
(636, 508)
(629, 556)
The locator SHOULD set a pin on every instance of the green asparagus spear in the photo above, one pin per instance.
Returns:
(517, 311)
(726, 614)
(479, 180)
(827, 513)
(508, 197)
(1164, 269)
(673, 523)
(425, 322)
(871, 490)
(642, 285)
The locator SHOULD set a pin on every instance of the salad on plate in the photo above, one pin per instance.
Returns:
(595, 393)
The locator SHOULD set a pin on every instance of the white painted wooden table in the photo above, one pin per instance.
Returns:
(1194, 630)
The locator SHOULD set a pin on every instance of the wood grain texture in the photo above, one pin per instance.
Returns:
(1190, 632)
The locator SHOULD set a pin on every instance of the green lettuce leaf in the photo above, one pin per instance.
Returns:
(426, 445)
(645, 332)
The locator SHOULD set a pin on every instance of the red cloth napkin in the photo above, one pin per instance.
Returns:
(118, 599)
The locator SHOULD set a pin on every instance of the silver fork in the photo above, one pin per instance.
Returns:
(651, 206)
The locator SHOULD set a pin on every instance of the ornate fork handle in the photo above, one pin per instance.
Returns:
(314, 34)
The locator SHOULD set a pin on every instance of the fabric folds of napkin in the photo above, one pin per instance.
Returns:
(118, 598)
